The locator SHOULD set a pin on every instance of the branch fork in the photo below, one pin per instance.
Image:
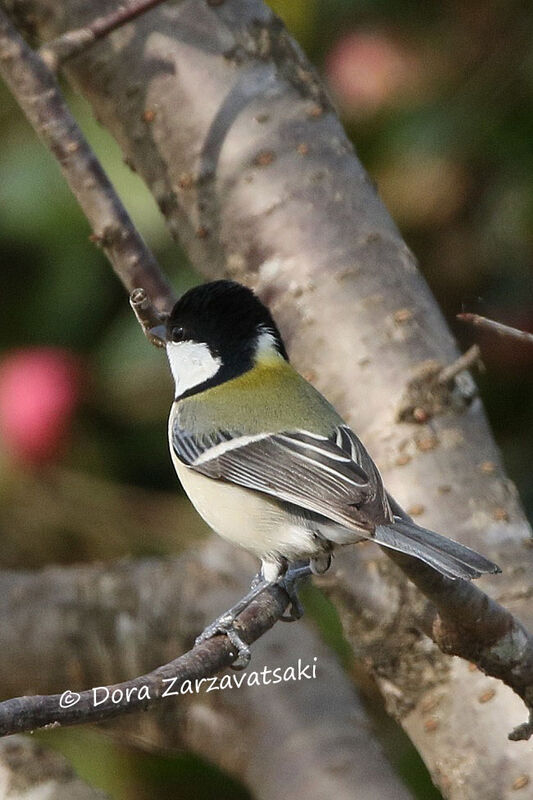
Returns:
(73, 43)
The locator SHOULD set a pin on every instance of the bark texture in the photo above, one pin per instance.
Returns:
(219, 111)
(40, 97)
(30, 772)
(93, 626)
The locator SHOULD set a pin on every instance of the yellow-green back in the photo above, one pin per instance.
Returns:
(271, 397)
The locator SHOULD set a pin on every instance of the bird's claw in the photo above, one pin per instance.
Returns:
(224, 625)
(295, 612)
(244, 654)
(257, 580)
(289, 583)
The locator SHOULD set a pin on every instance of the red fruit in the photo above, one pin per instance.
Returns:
(39, 391)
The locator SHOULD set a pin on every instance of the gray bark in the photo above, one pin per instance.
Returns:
(40, 97)
(255, 175)
(94, 626)
(28, 770)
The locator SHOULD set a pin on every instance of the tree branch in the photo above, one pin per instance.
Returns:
(148, 317)
(97, 624)
(39, 96)
(228, 182)
(27, 713)
(465, 361)
(75, 42)
(505, 331)
(308, 232)
(464, 621)
(70, 708)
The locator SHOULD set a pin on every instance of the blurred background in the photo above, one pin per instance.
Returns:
(438, 100)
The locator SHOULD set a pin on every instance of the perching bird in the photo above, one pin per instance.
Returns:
(265, 459)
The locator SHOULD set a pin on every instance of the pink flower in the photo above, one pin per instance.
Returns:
(39, 391)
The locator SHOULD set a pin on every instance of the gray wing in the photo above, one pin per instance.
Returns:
(333, 477)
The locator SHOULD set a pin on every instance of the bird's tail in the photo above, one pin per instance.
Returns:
(450, 558)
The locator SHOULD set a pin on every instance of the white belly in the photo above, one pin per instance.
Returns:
(249, 519)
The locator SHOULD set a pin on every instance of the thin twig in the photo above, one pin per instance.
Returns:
(74, 42)
(204, 660)
(499, 328)
(465, 361)
(149, 318)
(38, 94)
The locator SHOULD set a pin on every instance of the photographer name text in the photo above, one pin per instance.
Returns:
(176, 687)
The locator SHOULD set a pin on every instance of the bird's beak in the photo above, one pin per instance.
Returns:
(158, 335)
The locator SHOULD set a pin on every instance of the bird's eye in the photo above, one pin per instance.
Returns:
(178, 334)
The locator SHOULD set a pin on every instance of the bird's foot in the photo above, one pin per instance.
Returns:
(225, 625)
(289, 582)
(257, 580)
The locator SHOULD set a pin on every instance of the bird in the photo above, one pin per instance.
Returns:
(268, 462)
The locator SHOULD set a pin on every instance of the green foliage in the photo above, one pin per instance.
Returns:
(127, 775)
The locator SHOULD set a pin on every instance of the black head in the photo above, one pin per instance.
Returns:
(229, 319)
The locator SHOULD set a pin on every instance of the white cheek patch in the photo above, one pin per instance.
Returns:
(191, 364)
